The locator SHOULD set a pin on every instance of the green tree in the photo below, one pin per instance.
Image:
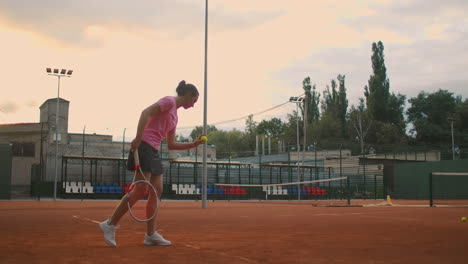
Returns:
(378, 90)
(429, 113)
(359, 124)
(396, 117)
(273, 127)
(312, 99)
(250, 125)
(330, 100)
(335, 105)
(461, 121)
(342, 104)
(460, 127)
(229, 144)
(290, 128)
(385, 108)
(198, 130)
(250, 132)
(326, 131)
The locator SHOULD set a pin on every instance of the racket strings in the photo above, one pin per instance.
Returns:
(143, 194)
(142, 199)
(138, 191)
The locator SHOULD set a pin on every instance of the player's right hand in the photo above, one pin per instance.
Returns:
(135, 144)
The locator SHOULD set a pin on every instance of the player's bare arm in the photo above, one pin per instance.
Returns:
(173, 145)
(150, 111)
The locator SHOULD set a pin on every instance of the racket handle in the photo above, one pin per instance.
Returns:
(137, 159)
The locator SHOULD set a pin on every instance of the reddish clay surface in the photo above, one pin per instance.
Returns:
(234, 232)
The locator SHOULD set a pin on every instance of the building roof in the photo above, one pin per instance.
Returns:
(18, 124)
(53, 100)
(22, 128)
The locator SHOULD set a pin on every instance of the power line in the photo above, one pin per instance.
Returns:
(240, 118)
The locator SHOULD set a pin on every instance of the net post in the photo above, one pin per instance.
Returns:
(431, 202)
(348, 187)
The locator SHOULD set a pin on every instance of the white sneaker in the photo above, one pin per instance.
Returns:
(109, 233)
(156, 240)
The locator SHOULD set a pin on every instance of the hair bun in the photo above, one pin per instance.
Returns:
(184, 88)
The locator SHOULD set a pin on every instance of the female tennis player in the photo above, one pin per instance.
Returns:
(158, 121)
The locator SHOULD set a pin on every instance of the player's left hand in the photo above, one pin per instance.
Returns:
(199, 140)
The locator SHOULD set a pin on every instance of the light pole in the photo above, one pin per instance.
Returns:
(205, 118)
(451, 119)
(297, 101)
(62, 73)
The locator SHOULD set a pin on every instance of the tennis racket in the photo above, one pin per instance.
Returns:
(142, 197)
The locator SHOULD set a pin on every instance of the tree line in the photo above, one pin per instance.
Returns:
(378, 122)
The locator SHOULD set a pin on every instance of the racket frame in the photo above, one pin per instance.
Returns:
(144, 180)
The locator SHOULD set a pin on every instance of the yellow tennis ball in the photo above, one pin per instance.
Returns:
(463, 218)
(204, 138)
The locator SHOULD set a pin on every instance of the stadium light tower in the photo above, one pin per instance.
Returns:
(58, 74)
(297, 101)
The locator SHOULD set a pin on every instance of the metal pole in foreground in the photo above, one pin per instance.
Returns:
(298, 150)
(82, 163)
(56, 139)
(204, 168)
(431, 202)
(305, 101)
(453, 141)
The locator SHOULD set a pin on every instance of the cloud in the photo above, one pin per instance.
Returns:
(71, 21)
(258, 54)
(415, 19)
(9, 107)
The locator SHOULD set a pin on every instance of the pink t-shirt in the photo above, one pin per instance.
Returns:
(159, 125)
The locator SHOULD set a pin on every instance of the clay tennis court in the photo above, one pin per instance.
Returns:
(235, 232)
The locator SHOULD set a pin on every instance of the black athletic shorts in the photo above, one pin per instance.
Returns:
(150, 161)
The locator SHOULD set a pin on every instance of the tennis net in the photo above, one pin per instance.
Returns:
(329, 191)
(448, 189)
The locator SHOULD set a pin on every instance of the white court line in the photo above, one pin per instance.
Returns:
(87, 219)
(221, 253)
(97, 222)
(365, 213)
(327, 214)
(189, 246)
(391, 218)
(388, 212)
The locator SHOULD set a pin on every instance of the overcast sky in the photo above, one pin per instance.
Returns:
(128, 54)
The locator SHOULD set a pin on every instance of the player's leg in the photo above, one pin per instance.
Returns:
(134, 195)
(153, 238)
(156, 181)
(109, 226)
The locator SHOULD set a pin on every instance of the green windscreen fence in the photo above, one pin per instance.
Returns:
(411, 180)
(448, 188)
(6, 157)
